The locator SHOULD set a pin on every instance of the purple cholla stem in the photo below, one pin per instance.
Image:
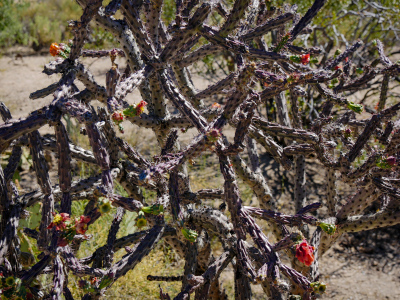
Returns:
(132, 154)
(101, 53)
(347, 53)
(64, 166)
(58, 278)
(306, 19)
(87, 78)
(41, 169)
(128, 262)
(283, 131)
(182, 36)
(112, 235)
(127, 203)
(81, 29)
(287, 241)
(15, 128)
(267, 26)
(44, 92)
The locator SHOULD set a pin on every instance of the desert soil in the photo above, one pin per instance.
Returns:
(351, 272)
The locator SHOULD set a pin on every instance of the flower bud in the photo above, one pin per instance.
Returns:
(190, 235)
(328, 228)
(391, 160)
(104, 206)
(358, 108)
(347, 133)
(155, 209)
(10, 281)
(318, 287)
(130, 111)
(141, 220)
(386, 162)
(338, 52)
(213, 135)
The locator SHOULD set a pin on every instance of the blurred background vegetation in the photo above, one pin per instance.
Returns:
(39, 23)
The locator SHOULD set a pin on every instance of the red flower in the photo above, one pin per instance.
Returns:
(346, 59)
(338, 67)
(117, 117)
(81, 224)
(305, 253)
(140, 107)
(305, 59)
(59, 221)
(54, 49)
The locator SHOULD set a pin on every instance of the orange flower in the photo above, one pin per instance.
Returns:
(305, 253)
(216, 105)
(54, 49)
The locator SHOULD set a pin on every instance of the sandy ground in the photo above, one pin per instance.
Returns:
(348, 273)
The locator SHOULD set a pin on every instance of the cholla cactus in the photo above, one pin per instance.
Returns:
(158, 57)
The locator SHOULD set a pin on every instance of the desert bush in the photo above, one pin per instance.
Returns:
(306, 92)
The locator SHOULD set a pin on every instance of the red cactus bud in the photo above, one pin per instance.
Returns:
(305, 59)
(213, 135)
(347, 133)
(117, 117)
(338, 67)
(305, 253)
(391, 160)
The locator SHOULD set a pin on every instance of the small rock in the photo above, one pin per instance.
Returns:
(374, 263)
